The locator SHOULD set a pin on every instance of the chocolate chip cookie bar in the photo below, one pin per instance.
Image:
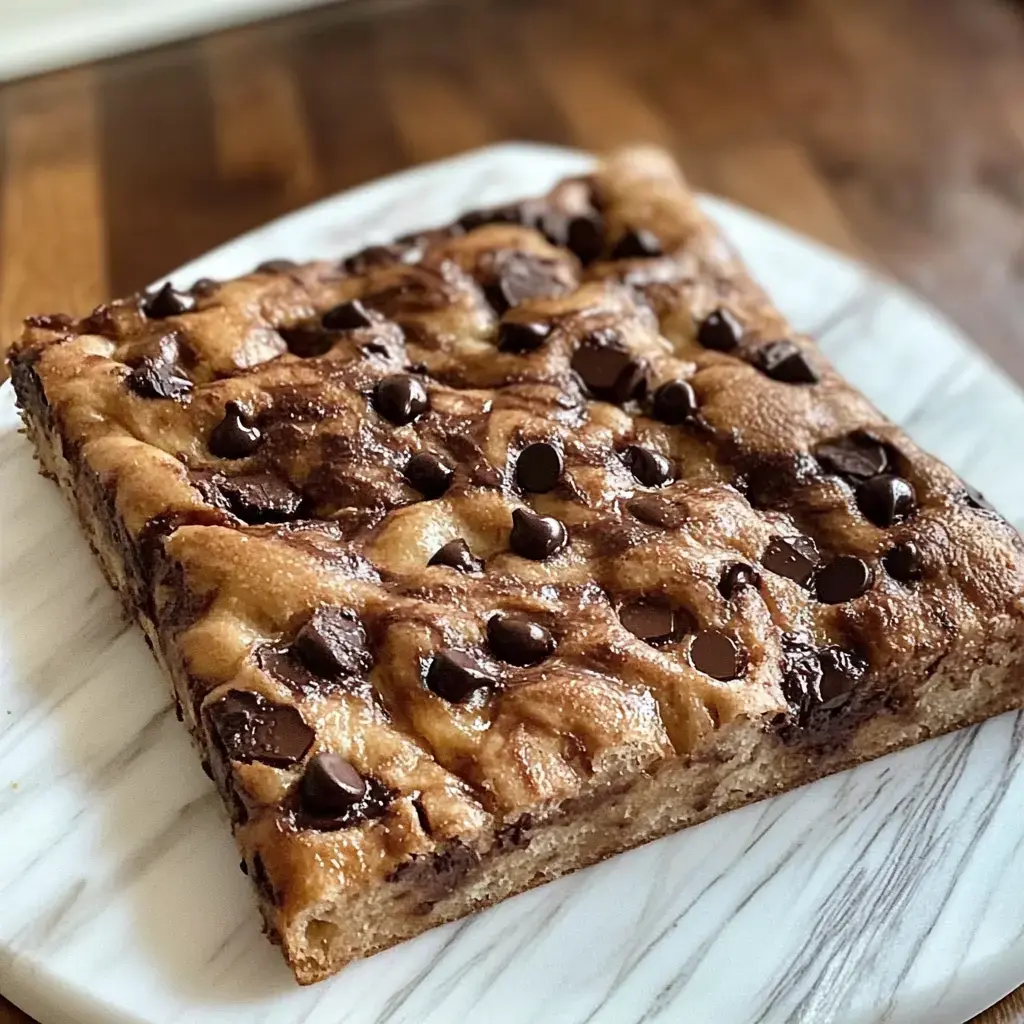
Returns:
(479, 557)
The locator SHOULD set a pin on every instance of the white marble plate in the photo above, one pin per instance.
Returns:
(894, 892)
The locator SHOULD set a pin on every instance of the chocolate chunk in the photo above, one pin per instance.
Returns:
(536, 537)
(522, 337)
(400, 398)
(650, 468)
(637, 243)
(517, 640)
(720, 331)
(675, 402)
(248, 727)
(843, 579)
(156, 378)
(792, 557)
(855, 457)
(456, 555)
(655, 621)
(456, 676)
(243, 867)
(716, 655)
(735, 577)
(167, 302)
(584, 237)
(278, 266)
(786, 362)
(349, 316)
(522, 277)
(283, 665)
(886, 499)
(236, 436)
(333, 643)
(516, 834)
(539, 467)
(818, 679)
(903, 562)
(259, 498)
(801, 672)
(330, 786)
(434, 877)
(609, 370)
(428, 474)
(841, 671)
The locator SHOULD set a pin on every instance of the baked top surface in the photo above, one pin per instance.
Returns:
(743, 470)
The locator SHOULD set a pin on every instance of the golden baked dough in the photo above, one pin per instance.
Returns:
(476, 558)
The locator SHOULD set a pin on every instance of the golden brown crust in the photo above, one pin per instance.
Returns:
(309, 506)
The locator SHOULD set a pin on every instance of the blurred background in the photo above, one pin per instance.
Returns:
(892, 130)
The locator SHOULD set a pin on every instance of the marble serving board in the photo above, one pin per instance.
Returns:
(894, 892)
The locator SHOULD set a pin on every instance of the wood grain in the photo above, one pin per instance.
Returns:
(890, 129)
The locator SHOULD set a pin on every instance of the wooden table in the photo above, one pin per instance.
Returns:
(891, 129)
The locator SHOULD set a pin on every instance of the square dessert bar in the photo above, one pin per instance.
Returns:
(479, 557)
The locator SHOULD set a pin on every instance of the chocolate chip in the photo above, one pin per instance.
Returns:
(372, 256)
(522, 277)
(843, 579)
(637, 243)
(456, 555)
(536, 537)
(735, 577)
(655, 621)
(792, 557)
(522, 337)
(456, 676)
(716, 655)
(333, 643)
(167, 302)
(855, 457)
(155, 378)
(517, 640)
(886, 499)
(251, 728)
(609, 370)
(333, 795)
(204, 286)
(675, 402)
(903, 562)
(330, 786)
(720, 331)
(259, 498)
(584, 237)
(400, 398)
(349, 316)
(539, 467)
(976, 499)
(841, 671)
(236, 436)
(243, 867)
(508, 214)
(428, 474)
(306, 340)
(278, 266)
(783, 361)
(650, 468)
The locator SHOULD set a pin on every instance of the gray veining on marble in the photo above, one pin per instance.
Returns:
(891, 893)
